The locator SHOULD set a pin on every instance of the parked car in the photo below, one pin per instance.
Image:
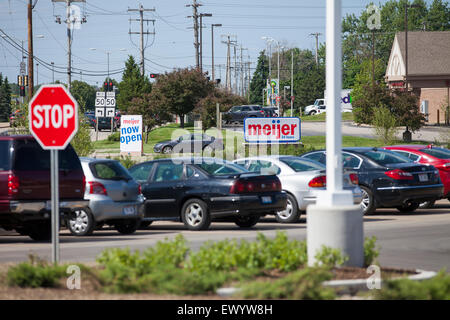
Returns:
(271, 112)
(90, 119)
(435, 156)
(198, 190)
(300, 178)
(387, 179)
(189, 143)
(237, 114)
(25, 192)
(105, 123)
(114, 199)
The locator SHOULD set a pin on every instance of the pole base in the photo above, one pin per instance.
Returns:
(339, 227)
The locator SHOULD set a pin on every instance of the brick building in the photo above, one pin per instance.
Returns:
(428, 71)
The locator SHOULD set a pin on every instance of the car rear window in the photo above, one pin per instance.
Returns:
(386, 157)
(439, 153)
(109, 170)
(29, 156)
(299, 165)
(221, 168)
(5, 155)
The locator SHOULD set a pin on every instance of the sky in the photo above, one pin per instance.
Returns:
(107, 30)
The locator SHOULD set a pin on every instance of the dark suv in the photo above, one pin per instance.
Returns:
(25, 191)
(237, 114)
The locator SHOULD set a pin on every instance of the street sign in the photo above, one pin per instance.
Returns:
(272, 130)
(53, 121)
(99, 112)
(105, 104)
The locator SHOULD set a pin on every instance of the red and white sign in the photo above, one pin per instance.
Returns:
(53, 117)
(272, 130)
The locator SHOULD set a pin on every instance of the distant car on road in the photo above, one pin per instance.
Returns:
(300, 179)
(90, 119)
(114, 199)
(435, 156)
(237, 114)
(388, 179)
(271, 111)
(189, 143)
(198, 190)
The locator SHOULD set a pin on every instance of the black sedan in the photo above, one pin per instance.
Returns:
(189, 143)
(199, 190)
(387, 179)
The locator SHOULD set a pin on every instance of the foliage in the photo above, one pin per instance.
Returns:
(84, 94)
(133, 84)
(330, 257)
(206, 107)
(126, 161)
(304, 284)
(436, 288)
(371, 252)
(81, 142)
(385, 125)
(406, 110)
(115, 136)
(5, 99)
(34, 274)
(179, 92)
(258, 82)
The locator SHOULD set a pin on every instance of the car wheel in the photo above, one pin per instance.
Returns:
(408, 207)
(145, 224)
(195, 215)
(312, 113)
(167, 149)
(128, 226)
(427, 204)
(291, 214)
(367, 201)
(40, 231)
(247, 221)
(82, 224)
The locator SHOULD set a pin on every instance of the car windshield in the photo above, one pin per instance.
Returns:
(220, 168)
(109, 170)
(439, 153)
(235, 109)
(384, 157)
(299, 165)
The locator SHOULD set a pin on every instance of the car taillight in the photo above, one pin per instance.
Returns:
(354, 178)
(13, 185)
(240, 186)
(398, 174)
(139, 189)
(318, 182)
(83, 190)
(97, 188)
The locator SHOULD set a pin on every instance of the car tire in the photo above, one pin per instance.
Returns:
(367, 201)
(128, 226)
(408, 207)
(83, 224)
(195, 215)
(427, 204)
(167, 150)
(291, 214)
(312, 113)
(246, 221)
(40, 231)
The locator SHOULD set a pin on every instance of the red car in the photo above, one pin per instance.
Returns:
(435, 156)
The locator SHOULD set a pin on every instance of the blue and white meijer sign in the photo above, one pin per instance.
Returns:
(272, 130)
(131, 133)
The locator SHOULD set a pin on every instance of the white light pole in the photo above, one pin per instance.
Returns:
(269, 43)
(334, 221)
(270, 40)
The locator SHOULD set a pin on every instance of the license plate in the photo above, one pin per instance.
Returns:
(129, 211)
(266, 200)
(423, 177)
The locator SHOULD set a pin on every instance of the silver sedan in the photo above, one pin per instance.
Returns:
(300, 178)
(114, 199)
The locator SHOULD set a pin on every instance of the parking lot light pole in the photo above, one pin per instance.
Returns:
(334, 221)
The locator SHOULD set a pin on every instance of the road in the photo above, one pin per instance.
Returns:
(418, 240)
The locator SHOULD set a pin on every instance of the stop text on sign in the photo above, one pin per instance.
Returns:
(52, 116)
(272, 130)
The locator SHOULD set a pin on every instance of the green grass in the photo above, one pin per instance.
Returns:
(346, 116)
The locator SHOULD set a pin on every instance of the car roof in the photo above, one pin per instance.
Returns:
(409, 147)
(185, 160)
(89, 159)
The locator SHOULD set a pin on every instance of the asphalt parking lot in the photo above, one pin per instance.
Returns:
(418, 240)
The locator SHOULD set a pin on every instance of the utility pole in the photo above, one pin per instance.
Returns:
(235, 71)
(292, 82)
(141, 11)
(195, 6)
(212, 48)
(30, 50)
(317, 34)
(229, 43)
(201, 15)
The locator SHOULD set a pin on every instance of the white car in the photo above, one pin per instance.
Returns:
(300, 179)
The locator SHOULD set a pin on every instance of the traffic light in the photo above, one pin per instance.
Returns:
(105, 86)
(20, 81)
(25, 81)
(111, 86)
(108, 86)
(22, 91)
(154, 75)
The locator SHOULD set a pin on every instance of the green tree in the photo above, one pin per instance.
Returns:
(84, 94)
(260, 75)
(5, 99)
(406, 109)
(438, 18)
(133, 84)
(180, 91)
(81, 142)
(366, 101)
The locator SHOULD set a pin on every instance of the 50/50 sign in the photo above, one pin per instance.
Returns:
(102, 100)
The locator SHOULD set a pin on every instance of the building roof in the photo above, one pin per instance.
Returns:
(428, 52)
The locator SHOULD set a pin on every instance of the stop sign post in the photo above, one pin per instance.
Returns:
(53, 121)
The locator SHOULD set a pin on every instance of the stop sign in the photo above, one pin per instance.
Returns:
(53, 116)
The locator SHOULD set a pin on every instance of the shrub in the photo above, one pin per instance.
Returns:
(126, 161)
(437, 288)
(371, 252)
(114, 137)
(330, 257)
(385, 125)
(304, 284)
